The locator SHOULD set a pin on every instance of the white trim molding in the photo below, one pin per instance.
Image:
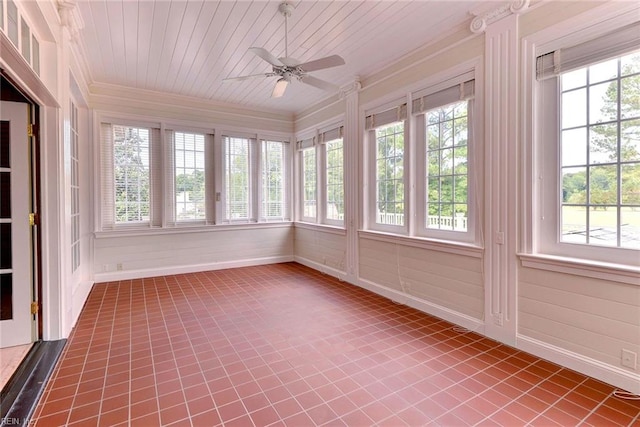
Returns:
(583, 268)
(483, 19)
(586, 365)
(467, 322)
(194, 268)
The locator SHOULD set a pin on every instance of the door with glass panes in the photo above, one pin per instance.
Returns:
(16, 288)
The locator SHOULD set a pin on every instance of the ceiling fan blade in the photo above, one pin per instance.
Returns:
(320, 84)
(279, 88)
(240, 78)
(266, 55)
(322, 63)
(289, 62)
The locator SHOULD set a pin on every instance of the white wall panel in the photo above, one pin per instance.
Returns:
(118, 255)
(321, 247)
(447, 280)
(594, 318)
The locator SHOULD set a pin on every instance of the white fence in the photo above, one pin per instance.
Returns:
(457, 223)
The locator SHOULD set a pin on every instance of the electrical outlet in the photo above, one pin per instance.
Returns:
(119, 266)
(629, 358)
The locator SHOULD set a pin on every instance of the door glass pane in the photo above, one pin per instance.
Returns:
(5, 195)
(6, 296)
(4, 144)
(5, 246)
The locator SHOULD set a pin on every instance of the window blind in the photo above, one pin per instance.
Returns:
(459, 92)
(616, 43)
(106, 170)
(303, 144)
(331, 134)
(395, 114)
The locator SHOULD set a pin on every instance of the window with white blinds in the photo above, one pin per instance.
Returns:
(132, 174)
(189, 173)
(129, 177)
(309, 181)
(273, 158)
(186, 178)
(237, 171)
(589, 120)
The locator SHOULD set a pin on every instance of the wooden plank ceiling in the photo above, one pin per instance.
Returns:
(189, 46)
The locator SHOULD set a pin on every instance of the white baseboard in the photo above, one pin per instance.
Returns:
(618, 377)
(467, 322)
(334, 272)
(193, 268)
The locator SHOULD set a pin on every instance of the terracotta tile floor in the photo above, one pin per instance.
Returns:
(284, 345)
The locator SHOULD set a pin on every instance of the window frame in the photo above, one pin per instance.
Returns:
(324, 181)
(162, 181)
(314, 150)
(373, 190)
(170, 205)
(474, 167)
(106, 167)
(286, 162)
(547, 191)
(314, 139)
(255, 179)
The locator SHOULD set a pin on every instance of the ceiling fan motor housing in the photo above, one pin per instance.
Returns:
(285, 9)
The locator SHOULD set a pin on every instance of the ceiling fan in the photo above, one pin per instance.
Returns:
(287, 68)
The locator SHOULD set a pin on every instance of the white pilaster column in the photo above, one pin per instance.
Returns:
(352, 139)
(501, 177)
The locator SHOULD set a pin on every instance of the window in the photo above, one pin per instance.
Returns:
(600, 153)
(189, 173)
(35, 55)
(132, 174)
(75, 189)
(186, 177)
(237, 178)
(334, 188)
(390, 174)
(386, 138)
(444, 125)
(436, 161)
(592, 198)
(12, 22)
(25, 36)
(309, 188)
(255, 179)
(446, 146)
(321, 167)
(273, 180)
(130, 185)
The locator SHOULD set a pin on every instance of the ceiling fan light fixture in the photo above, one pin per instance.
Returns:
(280, 87)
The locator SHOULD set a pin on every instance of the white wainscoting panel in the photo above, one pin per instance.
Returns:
(446, 280)
(171, 253)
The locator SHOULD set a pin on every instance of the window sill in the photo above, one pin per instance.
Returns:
(580, 267)
(184, 229)
(458, 248)
(321, 227)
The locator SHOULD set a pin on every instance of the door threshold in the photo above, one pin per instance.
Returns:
(10, 360)
(20, 395)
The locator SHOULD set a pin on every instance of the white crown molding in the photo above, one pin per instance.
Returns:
(70, 18)
(483, 19)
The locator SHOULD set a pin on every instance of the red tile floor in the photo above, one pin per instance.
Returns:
(284, 345)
